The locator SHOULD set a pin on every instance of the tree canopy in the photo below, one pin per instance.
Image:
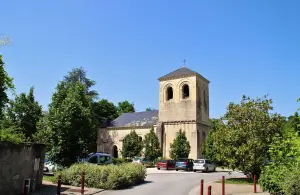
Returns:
(152, 146)
(180, 148)
(104, 110)
(125, 107)
(132, 145)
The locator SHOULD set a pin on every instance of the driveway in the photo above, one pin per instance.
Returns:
(164, 182)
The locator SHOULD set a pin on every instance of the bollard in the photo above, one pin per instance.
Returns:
(209, 190)
(82, 183)
(26, 187)
(58, 185)
(254, 183)
(201, 187)
(223, 185)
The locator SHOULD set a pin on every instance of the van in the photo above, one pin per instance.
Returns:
(99, 158)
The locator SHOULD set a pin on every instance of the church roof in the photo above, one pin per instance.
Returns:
(147, 118)
(183, 71)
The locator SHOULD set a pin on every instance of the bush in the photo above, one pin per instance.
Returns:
(117, 161)
(291, 183)
(104, 177)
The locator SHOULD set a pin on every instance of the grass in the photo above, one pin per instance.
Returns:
(247, 181)
(48, 178)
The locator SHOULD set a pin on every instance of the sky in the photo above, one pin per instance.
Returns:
(244, 47)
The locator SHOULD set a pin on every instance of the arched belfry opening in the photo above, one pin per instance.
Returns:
(169, 93)
(185, 91)
(115, 151)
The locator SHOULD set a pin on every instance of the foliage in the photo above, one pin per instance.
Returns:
(180, 148)
(117, 161)
(44, 133)
(149, 109)
(70, 121)
(24, 112)
(284, 165)
(211, 149)
(9, 135)
(291, 183)
(105, 110)
(152, 145)
(244, 135)
(108, 177)
(125, 107)
(6, 83)
(132, 145)
(79, 75)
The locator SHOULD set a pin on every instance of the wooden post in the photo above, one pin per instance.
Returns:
(254, 183)
(201, 187)
(209, 190)
(223, 185)
(82, 183)
(58, 185)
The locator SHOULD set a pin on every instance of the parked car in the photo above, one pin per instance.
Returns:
(142, 161)
(166, 164)
(184, 164)
(204, 165)
(99, 158)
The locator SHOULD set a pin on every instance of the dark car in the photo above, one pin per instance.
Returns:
(166, 164)
(184, 164)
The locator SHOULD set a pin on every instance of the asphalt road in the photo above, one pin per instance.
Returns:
(171, 182)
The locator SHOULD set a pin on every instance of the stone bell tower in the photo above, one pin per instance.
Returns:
(183, 104)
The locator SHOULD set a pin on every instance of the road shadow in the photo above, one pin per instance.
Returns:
(137, 185)
(47, 189)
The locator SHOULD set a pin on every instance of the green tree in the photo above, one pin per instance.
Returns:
(70, 121)
(132, 145)
(24, 112)
(6, 83)
(80, 75)
(44, 133)
(105, 110)
(152, 146)
(10, 135)
(125, 107)
(248, 131)
(180, 148)
(211, 148)
(149, 109)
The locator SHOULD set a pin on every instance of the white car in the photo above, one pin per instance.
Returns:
(50, 167)
(203, 165)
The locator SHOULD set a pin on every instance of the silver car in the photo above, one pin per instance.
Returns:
(203, 165)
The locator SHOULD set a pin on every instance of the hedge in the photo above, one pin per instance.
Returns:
(108, 177)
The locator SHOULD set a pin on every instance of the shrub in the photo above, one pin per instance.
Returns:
(291, 183)
(117, 161)
(105, 177)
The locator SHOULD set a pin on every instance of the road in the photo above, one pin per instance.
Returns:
(171, 182)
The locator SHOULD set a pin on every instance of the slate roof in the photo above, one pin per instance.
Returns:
(147, 118)
(183, 71)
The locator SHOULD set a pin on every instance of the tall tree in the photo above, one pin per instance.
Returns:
(70, 121)
(24, 112)
(79, 75)
(245, 136)
(180, 148)
(132, 145)
(125, 107)
(104, 110)
(6, 83)
(152, 146)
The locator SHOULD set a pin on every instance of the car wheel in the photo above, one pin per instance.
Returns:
(215, 169)
(176, 169)
(195, 171)
(206, 170)
(158, 168)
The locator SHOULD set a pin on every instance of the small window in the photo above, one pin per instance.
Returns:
(94, 160)
(185, 92)
(169, 93)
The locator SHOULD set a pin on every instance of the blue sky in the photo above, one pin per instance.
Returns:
(247, 47)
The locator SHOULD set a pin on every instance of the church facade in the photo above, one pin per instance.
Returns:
(183, 104)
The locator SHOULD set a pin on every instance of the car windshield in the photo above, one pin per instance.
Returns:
(199, 161)
(162, 161)
(182, 160)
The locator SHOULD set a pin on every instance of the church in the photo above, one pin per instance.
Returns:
(183, 104)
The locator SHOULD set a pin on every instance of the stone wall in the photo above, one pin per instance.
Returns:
(19, 162)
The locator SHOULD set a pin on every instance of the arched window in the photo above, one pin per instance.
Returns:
(169, 93)
(185, 91)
